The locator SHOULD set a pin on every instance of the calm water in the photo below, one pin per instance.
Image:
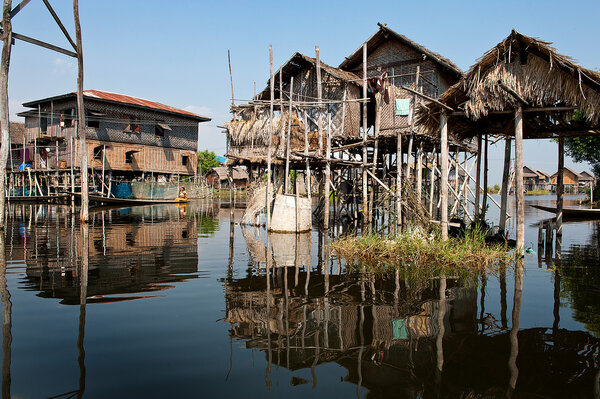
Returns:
(167, 308)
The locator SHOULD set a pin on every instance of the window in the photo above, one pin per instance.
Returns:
(43, 125)
(91, 119)
(185, 160)
(129, 157)
(132, 126)
(160, 128)
(66, 118)
(98, 153)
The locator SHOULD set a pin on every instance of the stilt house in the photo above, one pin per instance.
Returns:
(126, 136)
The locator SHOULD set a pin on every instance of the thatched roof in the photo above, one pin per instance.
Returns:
(382, 35)
(585, 176)
(222, 172)
(524, 71)
(297, 63)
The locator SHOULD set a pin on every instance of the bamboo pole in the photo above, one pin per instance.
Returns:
(444, 174)
(84, 215)
(477, 177)
(320, 100)
(466, 188)
(327, 174)
(307, 177)
(4, 112)
(519, 181)
(560, 187)
(485, 176)
(419, 173)
(268, 194)
(364, 146)
(432, 182)
(505, 188)
(287, 142)
(375, 155)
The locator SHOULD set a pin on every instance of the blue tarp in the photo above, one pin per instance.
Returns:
(122, 190)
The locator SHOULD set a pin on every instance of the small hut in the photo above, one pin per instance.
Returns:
(218, 177)
(521, 88)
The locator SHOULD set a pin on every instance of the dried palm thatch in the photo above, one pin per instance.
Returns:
(256, 203)
(524, 71)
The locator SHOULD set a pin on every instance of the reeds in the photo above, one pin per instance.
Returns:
(422, 254)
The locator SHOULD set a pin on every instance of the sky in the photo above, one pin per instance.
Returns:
(176, 52)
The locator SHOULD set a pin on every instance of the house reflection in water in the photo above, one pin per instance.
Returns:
(393, 337)
(131, 251)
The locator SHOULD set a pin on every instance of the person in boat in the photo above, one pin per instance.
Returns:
(182, 193)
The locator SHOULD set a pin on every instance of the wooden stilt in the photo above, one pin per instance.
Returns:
(268, 193)
(560, 187)
(519, 181)
(364, 152)
(307, 175)
(504, 192)
(319, 99)
(327, 178)
(287, 141)
(477, 210)
(485, 175)
(432, 183)
(444, 174)
(375, 155)
(419, 167)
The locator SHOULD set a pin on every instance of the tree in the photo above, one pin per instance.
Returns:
(584, 149)
(206, 161)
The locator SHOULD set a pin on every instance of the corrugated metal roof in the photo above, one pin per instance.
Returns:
(121, 98)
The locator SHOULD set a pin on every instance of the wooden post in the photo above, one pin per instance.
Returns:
(84, 215)
(485, 176)
(519, 181)
(419, 173)
(432, 182)
(375, 154)
(504, 192)
(327, 182)
(466, 188)
(477, 178)
(320, 101)
(268, 194)
(4, 113)
(560, 187)
(364, 152)
(287, 142)
(307, 177)
(444, 167)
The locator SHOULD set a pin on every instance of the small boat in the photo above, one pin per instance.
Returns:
(129, 201)
(572, 213)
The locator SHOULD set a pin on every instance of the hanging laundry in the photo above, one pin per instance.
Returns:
(402, 106)
(380, 84)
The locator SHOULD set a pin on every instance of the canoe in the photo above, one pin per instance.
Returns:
(132, 201)
(574, 213)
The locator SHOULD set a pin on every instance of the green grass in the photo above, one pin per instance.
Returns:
(537, 192)
(422, 255)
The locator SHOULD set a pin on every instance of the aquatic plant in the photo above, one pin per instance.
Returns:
(424, 254)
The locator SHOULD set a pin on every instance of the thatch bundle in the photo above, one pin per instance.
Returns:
(533, 71)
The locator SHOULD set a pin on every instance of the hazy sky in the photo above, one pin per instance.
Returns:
(176, 52)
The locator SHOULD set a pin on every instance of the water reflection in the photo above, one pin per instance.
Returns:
(400, 338)
(132, 251)
(288, 304)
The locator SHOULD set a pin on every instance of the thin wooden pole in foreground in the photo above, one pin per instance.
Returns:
(364, 152)
(477, 178)
(84, 214)
(4, 115)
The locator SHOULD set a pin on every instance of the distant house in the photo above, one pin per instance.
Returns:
(586, 179)
(535, 179)
(544, 180)
(218, 177)
(570, 181)
(17, 156)
(126, 136)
